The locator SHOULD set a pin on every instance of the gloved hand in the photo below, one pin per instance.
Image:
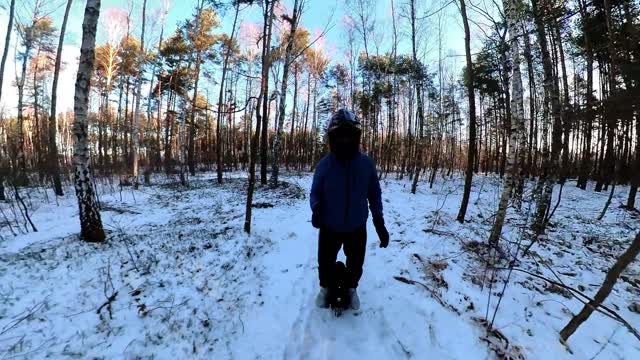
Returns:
(315, 219)
(383, 234)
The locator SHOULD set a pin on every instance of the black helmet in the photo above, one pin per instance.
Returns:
(343, 118)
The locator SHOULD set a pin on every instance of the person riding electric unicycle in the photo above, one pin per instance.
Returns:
(345, 186)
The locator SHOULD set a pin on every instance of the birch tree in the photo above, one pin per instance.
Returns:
(515, 159)
(90, 222)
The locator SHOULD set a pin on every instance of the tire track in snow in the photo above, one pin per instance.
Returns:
(318, 334)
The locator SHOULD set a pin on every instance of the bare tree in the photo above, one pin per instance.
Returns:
(225, 65)
(135, 136)
(264, 139)
(90, 222)
(517, 136)
(7, 40)
(164, 10)
(293, 21)
(267, 15)
(585, 167)
(5, 52)
(53, 125)
(28, 33)
(419, 81)
(552, 99)
(471, 153)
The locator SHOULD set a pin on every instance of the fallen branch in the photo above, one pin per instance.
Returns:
(25, 212)
(433, 293)
(601, 308)
(18, 319)
(556, 206)
(6, 220)
(107, 303)
(110, 298)
(610, 280)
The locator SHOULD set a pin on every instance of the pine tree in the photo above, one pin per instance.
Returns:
(228, 51)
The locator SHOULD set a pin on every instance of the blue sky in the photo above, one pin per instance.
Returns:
(317, 15)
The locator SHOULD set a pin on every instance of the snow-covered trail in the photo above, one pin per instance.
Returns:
(395, 321)
(191, 284)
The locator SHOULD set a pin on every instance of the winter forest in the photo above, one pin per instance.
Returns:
(157, 164)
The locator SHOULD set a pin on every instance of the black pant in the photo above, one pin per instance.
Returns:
(329, 244)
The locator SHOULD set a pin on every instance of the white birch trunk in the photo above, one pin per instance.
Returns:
(516, 138)
(90, 222)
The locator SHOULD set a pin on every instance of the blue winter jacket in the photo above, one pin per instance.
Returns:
(340, 192)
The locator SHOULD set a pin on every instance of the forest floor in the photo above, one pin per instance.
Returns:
(178, 278)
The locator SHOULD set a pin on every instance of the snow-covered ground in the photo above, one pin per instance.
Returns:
(178, 278)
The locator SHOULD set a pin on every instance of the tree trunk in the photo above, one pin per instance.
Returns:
(516, 137)
(135, 133)
(7, 41)
(5, 52)
(472, 116)
(292, 138)
(566, 116)
(418, 83)
(21, 178)
(191, 147)
(53, 146)
(610, 280)
(159, 143)
(126, 125)
(225, 64)
(532, 145)
(585, 166)
(507, 113)
(266, 40)
(288, 58)
(551, 97)
(635, 180)
(264, 141)
(90, 223)
(37, 137)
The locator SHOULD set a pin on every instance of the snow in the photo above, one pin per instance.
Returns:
(189, 283)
